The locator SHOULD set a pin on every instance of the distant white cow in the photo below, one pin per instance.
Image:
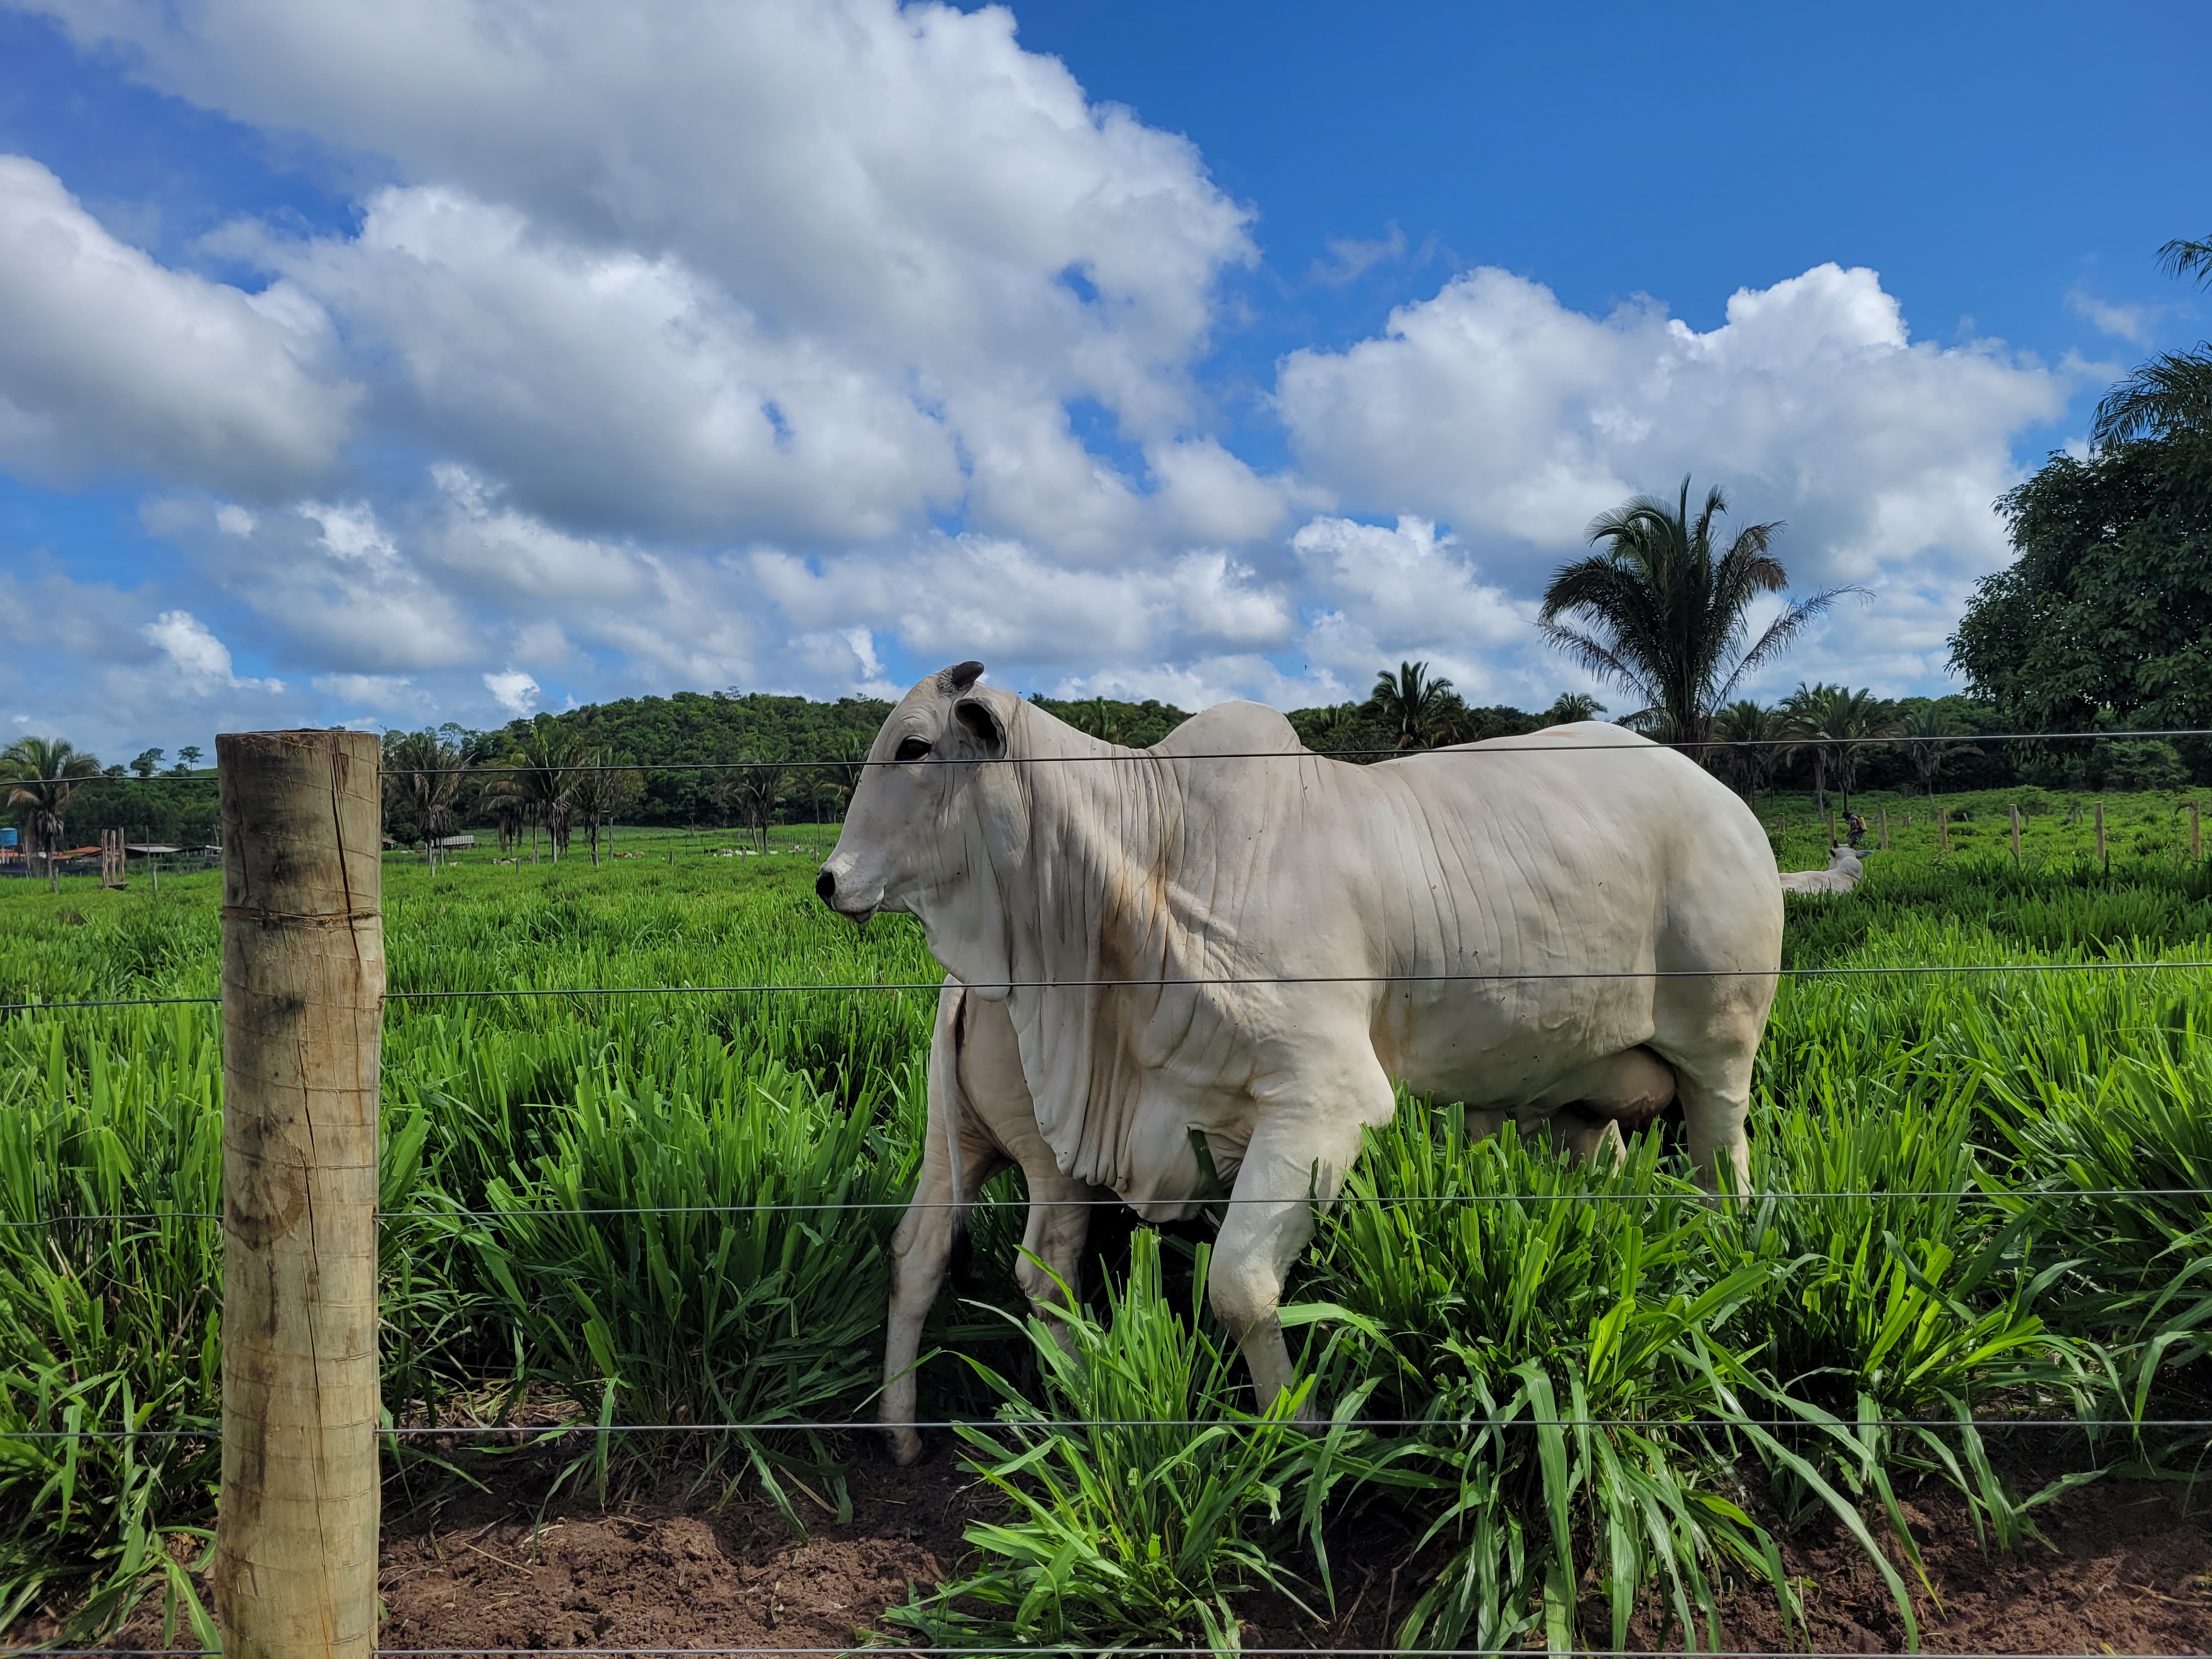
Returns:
(1226, 934)
(1842, 874)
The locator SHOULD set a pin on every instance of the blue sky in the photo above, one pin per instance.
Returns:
(384, 364)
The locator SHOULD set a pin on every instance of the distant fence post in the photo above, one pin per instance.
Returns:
(2195, 836)
(1883, 813)
(295, 1569)
(2103, 861)
(1942, 828)
(2016, 835)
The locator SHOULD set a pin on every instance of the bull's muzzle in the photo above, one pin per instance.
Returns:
(848, 897)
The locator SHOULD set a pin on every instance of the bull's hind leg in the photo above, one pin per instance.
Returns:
(1299, 1151)
(1712, 1067)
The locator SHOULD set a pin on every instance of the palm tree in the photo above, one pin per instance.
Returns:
(423, 773)
(1839, 725)
(2172, 393)
(1419, 707)
(598, 788)
(1925, 732)
(540, 768)
(44, 775)
(1661, 613)
(756, 788)
(1758, 739)
(1570, 707)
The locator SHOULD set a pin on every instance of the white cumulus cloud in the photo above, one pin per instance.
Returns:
(112, 363)
(202, 661)
(798, 344)
(788, 270)
(1493, 408)
(513, 690)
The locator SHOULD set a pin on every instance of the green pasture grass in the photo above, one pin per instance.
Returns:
(2149, 825)
(1482, 1317)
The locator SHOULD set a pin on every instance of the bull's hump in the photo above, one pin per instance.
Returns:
(1232, 728)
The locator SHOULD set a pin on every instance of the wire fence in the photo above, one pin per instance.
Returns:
(557, 1430)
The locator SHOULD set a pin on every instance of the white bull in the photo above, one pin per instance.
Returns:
(1227, 934)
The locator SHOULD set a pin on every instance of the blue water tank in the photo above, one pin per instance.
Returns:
(7, 837)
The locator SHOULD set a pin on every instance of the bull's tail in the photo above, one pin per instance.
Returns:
(947, 1105)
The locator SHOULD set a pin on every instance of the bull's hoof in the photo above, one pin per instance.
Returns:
(906, 1446)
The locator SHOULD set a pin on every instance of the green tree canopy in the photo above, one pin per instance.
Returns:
(2108, 612)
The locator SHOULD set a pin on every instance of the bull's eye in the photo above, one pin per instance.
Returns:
(912, 749)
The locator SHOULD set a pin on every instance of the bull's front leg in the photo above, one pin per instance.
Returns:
(1299, 1153)
(920, 1249)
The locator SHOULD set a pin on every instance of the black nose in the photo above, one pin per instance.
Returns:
(825, 885)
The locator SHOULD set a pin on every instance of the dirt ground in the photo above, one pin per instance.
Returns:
(2127, 1569)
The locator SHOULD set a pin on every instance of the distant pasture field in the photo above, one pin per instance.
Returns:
(1603, 1395)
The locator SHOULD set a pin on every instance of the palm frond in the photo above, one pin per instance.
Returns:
(2180, 257)
(1595, 658)
(1782, 630)
(2170, 392)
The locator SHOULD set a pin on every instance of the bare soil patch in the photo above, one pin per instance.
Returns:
(2126, 1568)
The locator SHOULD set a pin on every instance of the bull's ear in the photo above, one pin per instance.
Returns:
(984, 728)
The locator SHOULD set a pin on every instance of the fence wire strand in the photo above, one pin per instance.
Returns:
(1119, 1651)
(1684, 1196)
(544, 1431)
(933, 986)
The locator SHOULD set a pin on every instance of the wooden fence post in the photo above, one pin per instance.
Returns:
(2015, 835)
(294, 1570)
(1885, 828)
(1942, 828)
(2195, 836)
(1831, 826)
(2103, 861)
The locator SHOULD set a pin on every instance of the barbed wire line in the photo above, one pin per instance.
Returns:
(110, 1002)
(1492, 746)
(1975, 1194)
(869, 1425)
(1686, 1196)
(70, 1220)
(1123, 1651)
(806, 988)
(893, 1648)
